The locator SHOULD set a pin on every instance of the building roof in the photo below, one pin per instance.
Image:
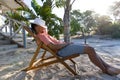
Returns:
(11, 4)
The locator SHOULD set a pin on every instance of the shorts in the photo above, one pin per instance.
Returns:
(74, 48)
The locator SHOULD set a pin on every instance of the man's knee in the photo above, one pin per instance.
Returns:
(89, 49)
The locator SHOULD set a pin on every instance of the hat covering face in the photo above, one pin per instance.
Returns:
(40, 22)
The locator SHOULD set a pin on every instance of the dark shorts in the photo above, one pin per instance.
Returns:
(74, 48)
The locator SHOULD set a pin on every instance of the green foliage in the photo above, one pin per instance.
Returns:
(44, 10)
(115, 31)
(75, 26)
(35, 6)
(116, 34)
(54, 26)
(60, 3)
(76, 14)
(103, 24)
(81, 20)
(15, 26)
(16, 15)
(26, 13)
(88, 20)
(115, 10)
(105, 30)
(74, 23)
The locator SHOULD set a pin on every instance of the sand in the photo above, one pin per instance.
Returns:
(109, 50)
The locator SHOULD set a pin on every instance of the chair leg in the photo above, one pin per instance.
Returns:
(69, 68)
(34, 56)
(42, 57)
(75, 65)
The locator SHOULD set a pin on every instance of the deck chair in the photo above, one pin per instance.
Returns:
(49, 60)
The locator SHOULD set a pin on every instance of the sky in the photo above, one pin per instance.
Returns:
(99, 6)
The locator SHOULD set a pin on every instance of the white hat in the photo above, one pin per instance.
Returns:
(40, 22)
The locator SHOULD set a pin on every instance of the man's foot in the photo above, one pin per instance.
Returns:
(113, 71)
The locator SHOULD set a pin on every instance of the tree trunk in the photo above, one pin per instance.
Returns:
(66, 21)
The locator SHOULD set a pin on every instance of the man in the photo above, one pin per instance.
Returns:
(64, 49)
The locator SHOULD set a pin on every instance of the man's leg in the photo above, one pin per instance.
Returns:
(94, 58)
(99, 62)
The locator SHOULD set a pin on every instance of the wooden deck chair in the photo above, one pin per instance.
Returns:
(49, 60)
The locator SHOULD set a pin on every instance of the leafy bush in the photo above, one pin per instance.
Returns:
(112, 30)
(116, 34)
(115, 31)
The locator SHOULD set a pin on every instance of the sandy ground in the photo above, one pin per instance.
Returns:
(109, 50)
